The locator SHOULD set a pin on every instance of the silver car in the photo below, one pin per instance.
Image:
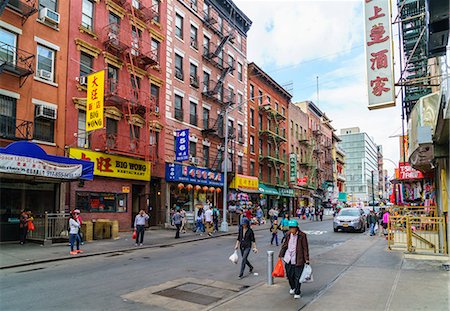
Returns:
(350, 219)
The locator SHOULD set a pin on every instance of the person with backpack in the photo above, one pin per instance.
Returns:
(216, 215)
(274, 229)
(74, 233)
(284, 226)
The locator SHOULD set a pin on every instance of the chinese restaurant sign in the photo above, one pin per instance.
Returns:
(379, 59)
(192, 174)
(245, 182)
(109, 165)
(182, 145)
(292, 167)
(94, 101)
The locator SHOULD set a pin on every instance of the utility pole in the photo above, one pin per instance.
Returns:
(373, 192)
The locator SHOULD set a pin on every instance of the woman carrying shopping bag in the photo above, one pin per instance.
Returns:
(295, 254)
(245, 242)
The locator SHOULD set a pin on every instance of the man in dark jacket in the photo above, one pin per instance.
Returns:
(245, 241)
(372, 220)
(295, 254)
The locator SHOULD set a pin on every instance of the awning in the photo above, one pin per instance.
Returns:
(248, 190)
(269, 190)
(245, 183)
(25, 158)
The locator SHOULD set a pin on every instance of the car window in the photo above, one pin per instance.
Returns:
(349, 212)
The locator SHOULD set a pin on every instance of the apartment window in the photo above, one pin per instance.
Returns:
(87, 14)
(252, 91)
(276, 106)
(205, 81)
(192, 149)
(155, 48)
(260, 172)
(240, 77)
(260, 146)
(268, 99)
(51, 4)
(86, 64)
(296, 131)
(220, 58)
(240, 133)
(269, 174)
(252, 117)
(135, 132)
(220, 23)
(260, 121)
(155, 10)
(135, 86)
(44, 127)
(8, 45)
(283, 111)
(179, 26)
(240, 165)
(194, 42)
(252, 143)
(193, 114)
(239, 42)
(154, 91)
(111, 132)
(45, 62)
(179, 108)
(268, 124)
(230, 127)
(193, 75)
(240, 103)
(194, 5)
(231, 63)
(8, 117)
(178, 67)
(114, 19)
(206, 155)
(260, 97)
(205, 118)
(113, 77)
(292, 128)
(205, 45)
(136, 36)
(82, 137)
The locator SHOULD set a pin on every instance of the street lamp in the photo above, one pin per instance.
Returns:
(373, 190)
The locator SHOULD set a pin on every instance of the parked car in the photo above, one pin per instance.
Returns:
(350, 219)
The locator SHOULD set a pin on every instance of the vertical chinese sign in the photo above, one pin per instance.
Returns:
(292, 167)
(379, 57)
(94, 101)
(182, 145)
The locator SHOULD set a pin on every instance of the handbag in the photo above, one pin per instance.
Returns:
(31, 226)
(134, 235)
(278, 272)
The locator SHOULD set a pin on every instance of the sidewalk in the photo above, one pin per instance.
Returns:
(351, 277)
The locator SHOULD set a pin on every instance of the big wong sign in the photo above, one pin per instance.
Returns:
(379, 59)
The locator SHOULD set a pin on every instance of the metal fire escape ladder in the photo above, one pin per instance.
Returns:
(3, 5)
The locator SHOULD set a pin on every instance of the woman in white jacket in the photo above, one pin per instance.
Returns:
(74, 227)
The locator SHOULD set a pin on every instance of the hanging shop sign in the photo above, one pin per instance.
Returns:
(182, 145)
(243, 182)
(286, 192)
(94, 101)
(15, 164)
(292, 167)
(405, 171)
(379, 56)
(191, 174)
(109, 165)
(302, 181)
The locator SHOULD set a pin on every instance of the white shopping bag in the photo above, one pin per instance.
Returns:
(307, 276)
(234, 258)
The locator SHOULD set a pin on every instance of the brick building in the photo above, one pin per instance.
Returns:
(206, 74)
(126, 39)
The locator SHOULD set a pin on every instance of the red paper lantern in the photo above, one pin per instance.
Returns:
(212, 189)
(189, 187)
(180, 186)
(205, 188)
(197, 188)
(218, 190)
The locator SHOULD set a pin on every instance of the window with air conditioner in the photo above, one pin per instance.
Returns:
(48, 12)
(44, 123)
(45, 63)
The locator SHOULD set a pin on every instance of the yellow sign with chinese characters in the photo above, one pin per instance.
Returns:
(94, 101)
(245, 182)
(109, 165)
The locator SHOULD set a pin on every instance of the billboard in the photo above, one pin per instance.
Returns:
(94, 101)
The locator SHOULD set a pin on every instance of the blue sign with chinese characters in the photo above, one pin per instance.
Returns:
(194, 175)
(182, 145)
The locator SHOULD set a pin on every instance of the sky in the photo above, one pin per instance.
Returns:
(297, 41)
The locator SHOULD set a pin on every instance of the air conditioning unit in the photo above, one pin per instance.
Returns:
(48, 15)
(46, 112)
(112, 36)
(44, 74)
(194, 160)
(136, 4)
(83, 80)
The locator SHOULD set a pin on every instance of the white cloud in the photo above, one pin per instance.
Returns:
(288, 32)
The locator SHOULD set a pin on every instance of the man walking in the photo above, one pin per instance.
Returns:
(259, 215)
(216, 215)
(139, 226)
(177, 220)
(209, 221)
(295, 254)
(372, 220)
(245, 241)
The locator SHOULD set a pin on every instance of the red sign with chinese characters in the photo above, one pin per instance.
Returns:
(379, 59)
(405, 171)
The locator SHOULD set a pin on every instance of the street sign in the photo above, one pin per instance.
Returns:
(94, 101)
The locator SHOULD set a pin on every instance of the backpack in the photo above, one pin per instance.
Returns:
(215, 215)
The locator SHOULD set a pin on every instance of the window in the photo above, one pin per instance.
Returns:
(8, 46)
(44, 128)
(205, 81)
(194, 42)
(51, 4)
(135, 86)
(231, 63)
(252, 143)
(135, 132)
(136, 36)
(260, 146)
(268, 99)
(276, 106)
(239, 42)
(178, 108)
(45, 62)
(260, 172)
(87, 14)
(252, 168)
(193, 75)
(178, 67)
(260, 121)
(230, 127)
(193, 114)
(269, 149)
(155, 49)
(240, 103)
(206, 155)
(83, 137)
(111, 132)
(205, 118)
(194, 5)
(239, 67)
(114, 19)
(220, 24)
(269, 174)
(192, 149)
(240, 166)
(155, 10)
(205, 45)
(252, 117)
(260, 97)
(268, 124)
(154, 91)
(95, 202)
(283, 111)
(240, 133)
(179, 26)
(220, 58)
(86, 64)
(113, 75)
(252, 91)
(8, 117)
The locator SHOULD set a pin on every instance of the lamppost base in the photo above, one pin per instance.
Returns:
(224, 226)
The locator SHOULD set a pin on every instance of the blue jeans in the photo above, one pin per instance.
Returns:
(200, 226)
(372, 229)
(274, 237)
(245, 252)
(72, 239)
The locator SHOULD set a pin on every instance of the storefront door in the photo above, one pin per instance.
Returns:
(137, 201)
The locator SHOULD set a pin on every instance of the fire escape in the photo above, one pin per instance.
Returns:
(137, 105)
(314, 159)
(24, 8)
(414, 78)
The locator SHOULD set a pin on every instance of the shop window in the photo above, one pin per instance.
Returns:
(97, 202)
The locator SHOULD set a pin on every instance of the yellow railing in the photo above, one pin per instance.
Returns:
(417, 234)
(413, 210)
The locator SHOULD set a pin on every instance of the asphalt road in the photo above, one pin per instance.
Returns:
(97, 283)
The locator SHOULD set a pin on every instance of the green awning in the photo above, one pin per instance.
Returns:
(269, 190)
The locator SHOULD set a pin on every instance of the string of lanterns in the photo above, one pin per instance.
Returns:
(189, 187)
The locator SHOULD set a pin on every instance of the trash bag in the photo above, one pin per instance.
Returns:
(31, 226)
(307, 276)
(278, 272)
(134, 235)
(234, 258)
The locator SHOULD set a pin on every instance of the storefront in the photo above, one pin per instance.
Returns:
(120, 189)
(190, 187)
(287, 200)
(32, 180)
(244, 190)
(270, 197)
